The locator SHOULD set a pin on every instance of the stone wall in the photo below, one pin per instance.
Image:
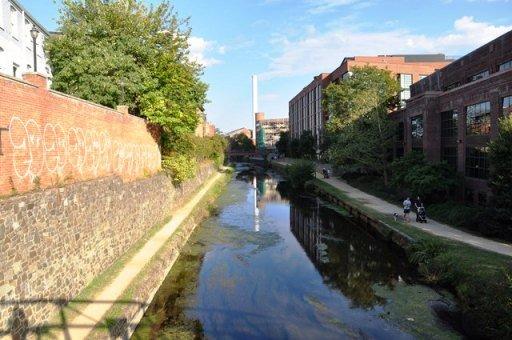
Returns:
(48, 139)
(55, 241)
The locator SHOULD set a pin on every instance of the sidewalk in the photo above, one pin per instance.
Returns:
(94, 312)
(432, 226)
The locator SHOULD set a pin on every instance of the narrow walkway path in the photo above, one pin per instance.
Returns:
(94, 312)
(432, 226)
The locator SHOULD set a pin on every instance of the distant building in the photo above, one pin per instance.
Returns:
(454, 113)
(204, 128)
(268, 130)
(305, 109)
(16, 44)
(245, 131)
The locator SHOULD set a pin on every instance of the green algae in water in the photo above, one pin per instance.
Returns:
(408, 307)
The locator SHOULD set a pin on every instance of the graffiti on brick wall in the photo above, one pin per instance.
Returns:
(54, 150)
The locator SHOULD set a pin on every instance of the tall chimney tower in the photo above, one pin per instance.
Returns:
(254, 105)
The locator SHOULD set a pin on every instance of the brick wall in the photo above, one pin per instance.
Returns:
(55, 241)
(48, 139)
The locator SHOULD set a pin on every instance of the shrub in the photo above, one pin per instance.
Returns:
(298, 173)
(179, 167)
(433, 182)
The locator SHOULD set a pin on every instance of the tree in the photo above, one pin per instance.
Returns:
(500, 156)
(242, 143)
(432, 182)
(121, 52)
(282, 145)
(360, 128)
(307, 145)
(369, 89)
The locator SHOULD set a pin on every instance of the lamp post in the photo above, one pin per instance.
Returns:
(34, 33)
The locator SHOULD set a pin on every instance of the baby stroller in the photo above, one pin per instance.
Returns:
(325, 172)
(421, 216)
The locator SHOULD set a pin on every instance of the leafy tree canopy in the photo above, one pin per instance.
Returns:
(241, 142)
(368, 90)
(282, 144)
(360, 130)
(122, 52)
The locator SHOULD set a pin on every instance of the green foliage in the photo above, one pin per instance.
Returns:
(359, 126)
(500, 156)
(307, 145)
(242, 143)
(302, 147)
(121, 52)
(180, 167)
(295, 148)
(282, 144)
(369, 89)
(300, 172)
(181, 156)
(430, 181)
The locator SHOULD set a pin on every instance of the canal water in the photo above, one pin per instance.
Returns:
(269, 266)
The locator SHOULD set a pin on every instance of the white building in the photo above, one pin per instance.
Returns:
(16, 44)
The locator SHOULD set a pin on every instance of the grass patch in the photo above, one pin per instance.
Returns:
(480, 280)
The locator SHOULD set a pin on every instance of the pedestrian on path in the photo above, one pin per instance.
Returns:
(407, 209)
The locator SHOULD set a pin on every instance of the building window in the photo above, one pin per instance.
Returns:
(449, 155)
(505, 66)
(507, 105)
(15, 70)
(452, 86)
(449, 124)
(405, 84)
(417, 128)
(14, 22)
(481, 75)
(476, 162)
(478, 118)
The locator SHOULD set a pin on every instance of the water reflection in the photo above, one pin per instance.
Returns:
(347, 257)
(266, 267)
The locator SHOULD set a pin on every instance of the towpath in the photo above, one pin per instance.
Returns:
(433, 227)
(93, 313)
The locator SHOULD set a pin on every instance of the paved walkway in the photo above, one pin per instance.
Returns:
(93, 313)
(432, 226)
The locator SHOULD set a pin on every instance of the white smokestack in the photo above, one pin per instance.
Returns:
(254, 104)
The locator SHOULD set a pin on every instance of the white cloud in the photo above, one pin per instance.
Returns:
(200, 48)
(317, 52)
(321, 6)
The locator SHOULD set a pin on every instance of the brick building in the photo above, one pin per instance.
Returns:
(245, 131)
(454, 113)
(305, 109)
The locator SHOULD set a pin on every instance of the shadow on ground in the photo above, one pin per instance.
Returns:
(18, 325)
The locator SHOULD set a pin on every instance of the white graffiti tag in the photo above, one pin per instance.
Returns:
(89, 153)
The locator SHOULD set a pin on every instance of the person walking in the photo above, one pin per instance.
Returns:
(407, 209)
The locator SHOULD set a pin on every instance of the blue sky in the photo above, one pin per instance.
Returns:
(287, 42)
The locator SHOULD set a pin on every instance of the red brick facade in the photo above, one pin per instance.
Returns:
(453, 90)
(48, 138)
(305, 109)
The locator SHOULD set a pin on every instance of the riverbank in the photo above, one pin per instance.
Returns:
(481, 280)
(114, 302)
(268, 265)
